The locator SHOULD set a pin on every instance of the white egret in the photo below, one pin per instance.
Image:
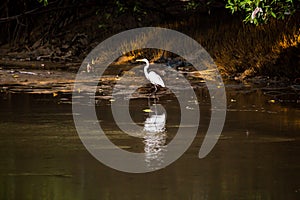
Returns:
(153, 77)
(89, 68)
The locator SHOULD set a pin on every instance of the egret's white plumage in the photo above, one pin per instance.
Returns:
(153, 77)
(89, 68)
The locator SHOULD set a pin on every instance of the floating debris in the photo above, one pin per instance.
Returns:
(29, 73)
(295, 87)
(189, 108)
(271, 101)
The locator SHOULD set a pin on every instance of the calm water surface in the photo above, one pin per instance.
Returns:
(257, 156)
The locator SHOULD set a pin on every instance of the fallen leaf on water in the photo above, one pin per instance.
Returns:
(15, 76)
(55, 94)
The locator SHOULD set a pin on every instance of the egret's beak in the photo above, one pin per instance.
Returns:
(138, 60)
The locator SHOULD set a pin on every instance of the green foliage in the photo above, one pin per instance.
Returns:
(254, 11)
(261, 11)
(45, 2)
(121, 7)
(193, 5)
(116, 8)
(134, 7)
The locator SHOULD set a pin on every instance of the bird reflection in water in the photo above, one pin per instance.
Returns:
(155, 137)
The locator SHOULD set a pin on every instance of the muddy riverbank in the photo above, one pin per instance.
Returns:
(59, 83)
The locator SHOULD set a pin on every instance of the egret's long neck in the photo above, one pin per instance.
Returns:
(146, 68)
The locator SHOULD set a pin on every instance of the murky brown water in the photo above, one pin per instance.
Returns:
(257, 156)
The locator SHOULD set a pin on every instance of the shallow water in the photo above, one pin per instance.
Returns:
(256, 157)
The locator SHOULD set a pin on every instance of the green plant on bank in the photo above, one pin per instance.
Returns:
(261, 11)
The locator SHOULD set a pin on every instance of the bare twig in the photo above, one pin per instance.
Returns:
(6, 19)
(40, 11)
(16, 17)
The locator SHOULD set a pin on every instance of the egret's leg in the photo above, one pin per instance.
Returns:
(149, 95)
(155, 110)
(149, 101)
(155, 106)
(155, 89)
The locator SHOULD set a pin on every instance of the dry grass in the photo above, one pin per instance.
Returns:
(246, 49)
(237, 49)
